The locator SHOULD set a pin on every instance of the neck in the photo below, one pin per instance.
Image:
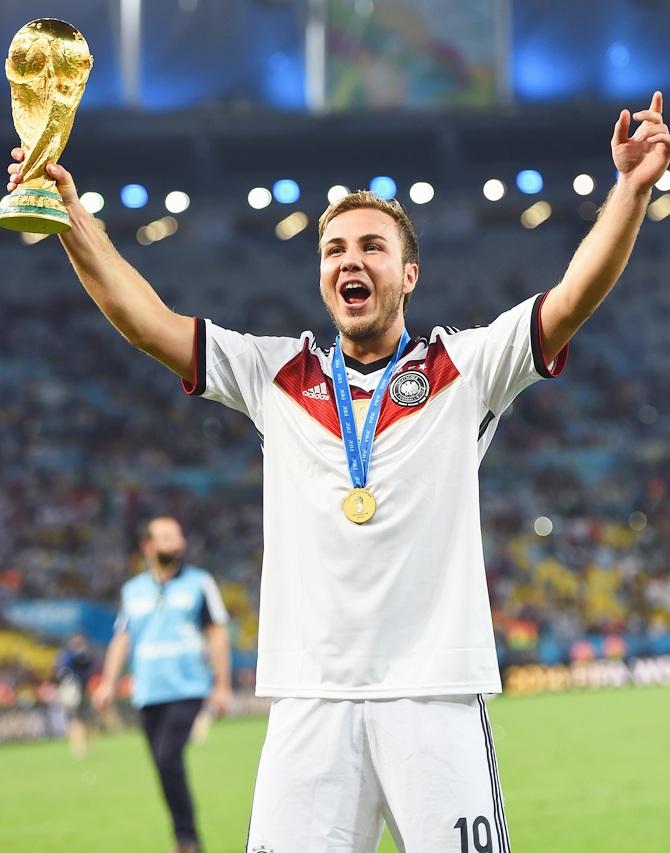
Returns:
(372, 349)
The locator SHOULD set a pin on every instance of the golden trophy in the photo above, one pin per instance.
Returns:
(47, 68)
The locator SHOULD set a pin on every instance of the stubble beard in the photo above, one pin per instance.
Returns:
(375, 327)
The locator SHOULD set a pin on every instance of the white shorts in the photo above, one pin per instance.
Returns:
(332, 771)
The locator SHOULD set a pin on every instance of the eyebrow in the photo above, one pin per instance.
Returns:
(364, 239)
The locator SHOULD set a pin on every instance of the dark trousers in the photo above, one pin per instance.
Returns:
(167, 727)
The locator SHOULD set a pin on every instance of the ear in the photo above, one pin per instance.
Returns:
(411, 277)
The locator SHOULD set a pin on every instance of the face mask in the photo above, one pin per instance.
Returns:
(167, 558)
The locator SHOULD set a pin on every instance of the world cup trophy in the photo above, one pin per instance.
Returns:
(47, 69)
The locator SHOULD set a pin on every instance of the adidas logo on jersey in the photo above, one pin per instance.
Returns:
(317, 392)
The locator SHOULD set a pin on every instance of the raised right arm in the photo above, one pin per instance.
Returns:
(122, 294)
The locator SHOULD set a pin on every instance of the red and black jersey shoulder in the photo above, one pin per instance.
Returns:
(305, 382)
(413, 384)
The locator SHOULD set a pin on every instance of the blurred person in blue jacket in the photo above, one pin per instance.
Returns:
(75, 665)
(172, 627)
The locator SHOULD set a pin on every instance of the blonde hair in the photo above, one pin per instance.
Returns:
(365, 198)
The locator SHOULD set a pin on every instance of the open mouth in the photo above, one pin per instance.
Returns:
(355, 293)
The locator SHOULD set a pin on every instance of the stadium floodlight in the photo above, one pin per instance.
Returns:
(143, 237)
(663, 183)
(286, 191)
(157, 230)
(660, 208)
(154, 231)
(494, 189)
(618, 55)
(259, 197)
(134, 195)
(384, 187)
(529, 181)
(292, 225)
(93, 202)
(337, 192)
(162, 228)
(177, 201)
(543, 525)
(421, 192)
(536, 214)
(583, 184)
(637, 521)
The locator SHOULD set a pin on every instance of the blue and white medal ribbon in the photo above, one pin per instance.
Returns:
(359, 505)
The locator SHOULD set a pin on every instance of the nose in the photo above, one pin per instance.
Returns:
(349, 263)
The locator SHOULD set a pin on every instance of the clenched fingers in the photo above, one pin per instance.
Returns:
(646, 132)
(14, 169)
(660, 137)
(648, 115)
(14, 181)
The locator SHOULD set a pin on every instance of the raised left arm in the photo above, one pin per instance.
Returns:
(602, 256)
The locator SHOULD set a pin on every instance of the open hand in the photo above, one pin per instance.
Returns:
(643, 157)
(103, 696)
(220, 701)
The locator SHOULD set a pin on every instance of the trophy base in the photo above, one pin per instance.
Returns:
(34, 211)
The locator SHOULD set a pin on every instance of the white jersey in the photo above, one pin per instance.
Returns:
(397, 606)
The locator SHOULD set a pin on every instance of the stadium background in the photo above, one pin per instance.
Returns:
(216, 99)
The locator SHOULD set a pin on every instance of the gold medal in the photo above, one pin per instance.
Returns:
(359, 505)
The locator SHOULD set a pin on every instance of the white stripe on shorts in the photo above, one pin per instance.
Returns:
(498, 806)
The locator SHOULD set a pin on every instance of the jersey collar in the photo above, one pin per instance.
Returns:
(372, 366)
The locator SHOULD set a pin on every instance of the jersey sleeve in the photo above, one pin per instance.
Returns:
(236, 369)
(63, 660)
(121, 621)
(213, 608)
(502, 359)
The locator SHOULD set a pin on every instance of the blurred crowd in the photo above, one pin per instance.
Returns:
(96, 437)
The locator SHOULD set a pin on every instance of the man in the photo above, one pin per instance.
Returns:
(75, 665)
(375, 630)
(167, 613)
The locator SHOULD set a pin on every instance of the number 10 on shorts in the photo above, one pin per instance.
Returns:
(480, 827)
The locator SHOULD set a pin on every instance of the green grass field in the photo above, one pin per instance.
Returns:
(582, 773)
